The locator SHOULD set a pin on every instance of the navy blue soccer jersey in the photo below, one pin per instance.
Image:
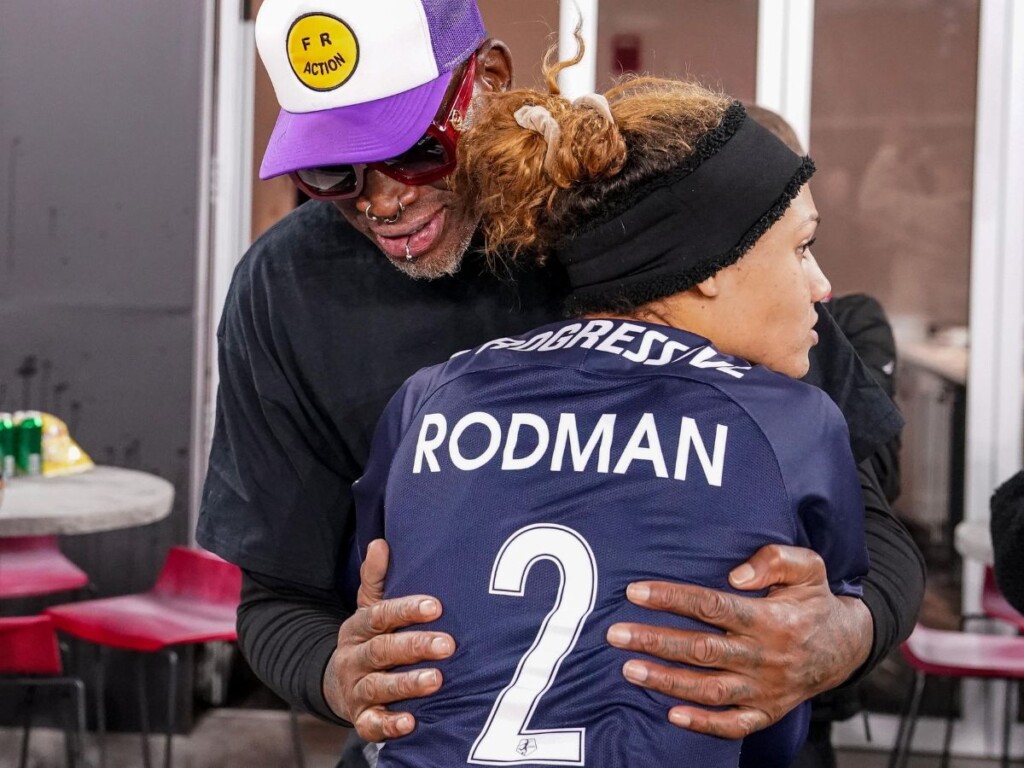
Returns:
(527, 482)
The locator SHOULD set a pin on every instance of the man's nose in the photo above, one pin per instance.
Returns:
(385, 196)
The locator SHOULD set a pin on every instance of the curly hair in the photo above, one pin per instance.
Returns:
(526, 204)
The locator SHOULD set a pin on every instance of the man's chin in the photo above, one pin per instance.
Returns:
(429, 266)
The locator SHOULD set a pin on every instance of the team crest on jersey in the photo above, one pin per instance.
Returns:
(527, 747)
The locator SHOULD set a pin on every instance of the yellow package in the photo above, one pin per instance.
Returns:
(61, 454)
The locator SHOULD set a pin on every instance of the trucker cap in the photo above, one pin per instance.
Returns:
(358, 81)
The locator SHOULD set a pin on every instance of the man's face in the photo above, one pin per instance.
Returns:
(433, 232)
(431, 236)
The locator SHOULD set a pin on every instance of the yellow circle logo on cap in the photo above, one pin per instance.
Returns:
(323, 51)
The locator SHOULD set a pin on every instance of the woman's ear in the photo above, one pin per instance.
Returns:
(708, 288)
(493, 66)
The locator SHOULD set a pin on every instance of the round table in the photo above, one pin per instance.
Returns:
(102, 499)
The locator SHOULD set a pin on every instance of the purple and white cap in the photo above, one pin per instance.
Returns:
(358, 82)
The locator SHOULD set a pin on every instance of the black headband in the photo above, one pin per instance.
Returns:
(684, 226)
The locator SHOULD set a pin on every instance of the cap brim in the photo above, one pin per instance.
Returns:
(362, 133)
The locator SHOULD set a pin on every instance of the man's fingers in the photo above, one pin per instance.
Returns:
(373, 572)
(378, 724)
(779, 565)
(702, 649)
(709, 689)
(387, 651)
(726, 724)
(386, 687)
(720, 609)
(388, 615)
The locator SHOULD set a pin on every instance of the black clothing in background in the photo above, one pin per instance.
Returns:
(863, 321)
(1007, 522)
(319, 330)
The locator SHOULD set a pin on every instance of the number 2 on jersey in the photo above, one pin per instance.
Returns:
(506, 738)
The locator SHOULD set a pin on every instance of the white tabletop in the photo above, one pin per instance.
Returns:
(973, 541)
(102, 499)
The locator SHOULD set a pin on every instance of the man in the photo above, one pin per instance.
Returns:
(320, 329)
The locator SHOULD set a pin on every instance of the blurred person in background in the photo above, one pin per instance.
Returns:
(863, 321)
(334, 307)
(1007, 527)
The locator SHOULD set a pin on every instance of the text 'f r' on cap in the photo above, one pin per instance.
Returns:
(358, 81)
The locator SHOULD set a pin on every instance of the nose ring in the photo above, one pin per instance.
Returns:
(389, 219)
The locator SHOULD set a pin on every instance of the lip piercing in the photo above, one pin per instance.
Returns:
(408, 256)
(390, 219)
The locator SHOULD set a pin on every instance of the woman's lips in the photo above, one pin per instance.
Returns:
(419, 240)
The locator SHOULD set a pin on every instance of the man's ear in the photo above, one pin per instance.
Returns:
(493, 66)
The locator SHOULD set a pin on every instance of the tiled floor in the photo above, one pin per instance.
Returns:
(230, 738)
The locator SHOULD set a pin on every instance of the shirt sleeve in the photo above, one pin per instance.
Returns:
(274, 502)
(825, 487)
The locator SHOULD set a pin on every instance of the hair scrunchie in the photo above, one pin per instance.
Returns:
(539, 120)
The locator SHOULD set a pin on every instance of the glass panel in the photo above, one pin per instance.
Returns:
(713, 41)
(892, 132)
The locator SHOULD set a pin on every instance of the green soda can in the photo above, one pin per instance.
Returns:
(7, 442)
(29, 442)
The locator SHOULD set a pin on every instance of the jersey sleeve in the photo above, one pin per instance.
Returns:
(822, 480)
(273, 502)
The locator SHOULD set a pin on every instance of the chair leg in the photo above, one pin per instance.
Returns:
(947, 740)
(172, 702)
(30, 695)
(901, 731)
(78, 695)
(300, 755)
(1011, 689)
(101, 706)
(912, 714)
(140, 674)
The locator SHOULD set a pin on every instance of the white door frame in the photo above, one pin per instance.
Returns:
(225, 220)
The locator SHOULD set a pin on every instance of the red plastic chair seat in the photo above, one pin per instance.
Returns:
(145, 622)
(34, 565)
(964, 654)
(194, 600)
(28, 646)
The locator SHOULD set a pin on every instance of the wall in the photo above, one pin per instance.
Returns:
(99, 159)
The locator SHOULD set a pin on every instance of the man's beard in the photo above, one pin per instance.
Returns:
(438, 265)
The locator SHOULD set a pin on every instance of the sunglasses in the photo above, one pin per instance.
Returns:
(431, 158)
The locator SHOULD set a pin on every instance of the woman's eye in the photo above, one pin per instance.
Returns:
(807, 246)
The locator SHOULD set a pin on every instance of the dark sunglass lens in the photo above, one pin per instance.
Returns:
(428, 154)
(330, 180)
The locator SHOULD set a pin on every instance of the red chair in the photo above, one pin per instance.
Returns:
(34, 565)
(30, 658)
(958, 655)
(194, 601)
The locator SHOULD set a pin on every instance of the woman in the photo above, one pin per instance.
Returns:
(659, 434)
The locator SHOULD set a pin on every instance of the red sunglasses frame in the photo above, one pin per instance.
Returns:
(445, 130)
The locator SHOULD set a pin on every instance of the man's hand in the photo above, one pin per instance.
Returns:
(356, 682)
(776, 652)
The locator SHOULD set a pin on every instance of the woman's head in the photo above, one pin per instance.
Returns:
(661, 205)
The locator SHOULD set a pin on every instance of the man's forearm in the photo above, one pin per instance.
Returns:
(894, 586)
(287, 634)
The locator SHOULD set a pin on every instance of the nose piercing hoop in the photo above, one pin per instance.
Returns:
(389, 220)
